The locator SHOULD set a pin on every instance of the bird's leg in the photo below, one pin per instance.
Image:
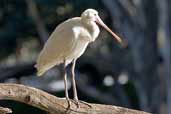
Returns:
(74, 86)
(73, 81)
(65, 83)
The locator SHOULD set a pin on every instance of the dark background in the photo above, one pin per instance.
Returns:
(138, 76)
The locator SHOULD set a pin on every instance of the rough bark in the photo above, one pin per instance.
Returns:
(5, 110)
(55, 105)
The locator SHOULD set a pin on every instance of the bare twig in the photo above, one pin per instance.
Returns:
(55, 105)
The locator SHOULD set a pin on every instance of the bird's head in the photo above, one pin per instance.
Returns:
(91, 15)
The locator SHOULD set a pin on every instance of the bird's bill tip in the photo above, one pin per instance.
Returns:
(100, 22)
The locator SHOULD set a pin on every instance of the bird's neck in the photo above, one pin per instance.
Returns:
(92, 28)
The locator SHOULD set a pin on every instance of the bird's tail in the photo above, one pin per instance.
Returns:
(43, 67)
(39, 72)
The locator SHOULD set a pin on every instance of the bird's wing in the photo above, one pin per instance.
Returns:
(59, 44)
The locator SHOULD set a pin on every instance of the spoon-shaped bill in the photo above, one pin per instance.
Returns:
(100, 22)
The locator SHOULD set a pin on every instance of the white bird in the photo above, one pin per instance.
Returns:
(68, 42)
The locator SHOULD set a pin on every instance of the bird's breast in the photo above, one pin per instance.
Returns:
(79, 48)
(95, 32)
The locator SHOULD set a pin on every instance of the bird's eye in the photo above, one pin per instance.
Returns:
(95, 14)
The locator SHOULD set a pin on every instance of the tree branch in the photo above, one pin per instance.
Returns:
(55, 105)
(5, 110)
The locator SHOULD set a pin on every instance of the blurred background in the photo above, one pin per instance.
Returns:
(137, 77)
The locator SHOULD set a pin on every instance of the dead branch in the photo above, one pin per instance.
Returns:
(5, 110)
(55, 105)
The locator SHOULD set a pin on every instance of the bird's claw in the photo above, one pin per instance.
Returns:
(78, 102)
(85, 103)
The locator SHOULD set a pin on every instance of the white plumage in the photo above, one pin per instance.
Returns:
(68, 42)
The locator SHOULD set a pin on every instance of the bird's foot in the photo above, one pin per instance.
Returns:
(78, 102)
(69, 103)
